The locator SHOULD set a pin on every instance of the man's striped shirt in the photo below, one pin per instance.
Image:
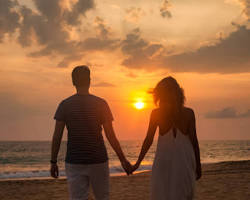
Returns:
(84, 116)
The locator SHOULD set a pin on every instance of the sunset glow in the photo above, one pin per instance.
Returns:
(129, 47)
(139, 105)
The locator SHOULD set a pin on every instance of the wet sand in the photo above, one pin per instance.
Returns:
(225, 180)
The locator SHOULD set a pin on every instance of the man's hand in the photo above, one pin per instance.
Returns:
(54, 171)
(127, 167)
(56, 142)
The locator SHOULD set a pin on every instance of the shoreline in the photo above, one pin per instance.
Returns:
(224, 180)
(116, 174)
(64, 177)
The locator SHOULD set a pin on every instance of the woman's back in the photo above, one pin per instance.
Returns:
(166, 120)
(177, 160)
(173, 173)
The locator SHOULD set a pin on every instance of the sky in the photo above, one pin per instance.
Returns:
(129, 46)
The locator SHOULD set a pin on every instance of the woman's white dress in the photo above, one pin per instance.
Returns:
(174, 168)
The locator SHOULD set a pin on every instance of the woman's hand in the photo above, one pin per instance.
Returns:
(126, 166)
(198, 172)
(135, 166)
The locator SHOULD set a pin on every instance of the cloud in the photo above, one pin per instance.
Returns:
(9, 18)
(70, 58)
(227, 113)
(102, 29)
(79, 9)
(103, 84)
(224, 113)
(94, 44)
(246, 10)
(245, 114)
(139, 52)
(50, 25)
(134, 14)
(228, 55)
(49, 34)
(51, 10)
(102, 41)
(54, 11)
(164, 9)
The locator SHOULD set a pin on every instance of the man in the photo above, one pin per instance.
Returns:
(86, 159)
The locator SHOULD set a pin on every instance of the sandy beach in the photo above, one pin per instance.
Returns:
(225, 180)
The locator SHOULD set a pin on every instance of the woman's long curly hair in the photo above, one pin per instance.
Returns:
(169, 96)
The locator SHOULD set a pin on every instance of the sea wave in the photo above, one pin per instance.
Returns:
(21, 160)
(114, 171)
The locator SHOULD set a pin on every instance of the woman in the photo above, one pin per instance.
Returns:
(177, 159)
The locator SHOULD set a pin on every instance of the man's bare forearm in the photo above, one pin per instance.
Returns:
(117, 148)
(56, 141)
(110, 134)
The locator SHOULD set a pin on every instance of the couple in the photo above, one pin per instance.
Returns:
(177, 159)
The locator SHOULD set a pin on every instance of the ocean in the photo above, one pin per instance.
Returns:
(31, 159)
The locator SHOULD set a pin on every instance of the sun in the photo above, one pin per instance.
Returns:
(139, 105)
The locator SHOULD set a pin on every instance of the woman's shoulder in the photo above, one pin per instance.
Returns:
(156, 110)
(189, 112)
(158, 115)
(155, 114)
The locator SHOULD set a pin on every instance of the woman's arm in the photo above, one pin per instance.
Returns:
(195, 143)
(110, 134)
(148, 140)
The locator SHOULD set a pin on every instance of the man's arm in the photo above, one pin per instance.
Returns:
(56, 142)
(110, 134)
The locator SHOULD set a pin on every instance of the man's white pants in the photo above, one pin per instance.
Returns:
(81, 176)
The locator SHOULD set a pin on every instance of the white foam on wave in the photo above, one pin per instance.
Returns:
(114, 170)
(27, 174)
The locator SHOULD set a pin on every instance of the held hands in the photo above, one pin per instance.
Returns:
(128, 168)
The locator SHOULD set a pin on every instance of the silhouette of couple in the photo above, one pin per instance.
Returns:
(177, 159)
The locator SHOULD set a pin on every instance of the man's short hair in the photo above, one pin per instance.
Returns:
(81, 76)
